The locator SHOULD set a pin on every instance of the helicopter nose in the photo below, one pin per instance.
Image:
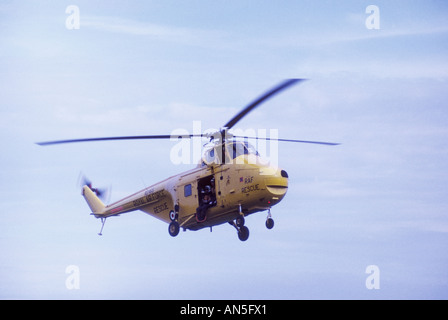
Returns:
(277, 183)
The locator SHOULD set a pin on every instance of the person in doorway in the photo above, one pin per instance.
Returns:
(201, 211)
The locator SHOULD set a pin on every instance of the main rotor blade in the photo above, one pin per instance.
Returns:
(187, 136)
(291, 140)
(285, 84)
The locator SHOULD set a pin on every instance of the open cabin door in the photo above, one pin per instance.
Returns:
(206, 197)
(207, 190)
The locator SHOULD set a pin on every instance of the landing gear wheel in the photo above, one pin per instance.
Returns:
(173, 229)
(173, 215)
(239, 221)
(243, 233)
(269, 223)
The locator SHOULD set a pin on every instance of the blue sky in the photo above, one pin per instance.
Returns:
(133, 68)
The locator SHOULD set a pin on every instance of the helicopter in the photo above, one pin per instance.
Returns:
(229, 183)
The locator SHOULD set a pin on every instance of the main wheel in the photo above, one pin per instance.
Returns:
(239, 221)
(173, 229)
(243, 233)
(269, 223)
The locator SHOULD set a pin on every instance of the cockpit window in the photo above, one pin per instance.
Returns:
(212, 155)
(237, 149)
(233, 150)
(251, 149)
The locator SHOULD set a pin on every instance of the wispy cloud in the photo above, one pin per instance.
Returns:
(317, 40)
(180, 35)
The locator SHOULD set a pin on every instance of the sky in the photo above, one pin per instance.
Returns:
(132, 68)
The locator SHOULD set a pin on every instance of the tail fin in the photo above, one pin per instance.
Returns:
(95, 204)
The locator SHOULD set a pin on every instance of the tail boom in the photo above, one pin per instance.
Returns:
(95, 204)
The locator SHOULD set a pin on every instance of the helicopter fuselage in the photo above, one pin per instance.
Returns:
(239, 188)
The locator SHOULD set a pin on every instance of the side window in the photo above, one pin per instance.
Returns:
(187, 190)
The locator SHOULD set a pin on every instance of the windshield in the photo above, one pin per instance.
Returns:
(237, 149)
(233, 150)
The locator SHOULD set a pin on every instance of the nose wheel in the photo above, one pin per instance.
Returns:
(269, 220)
(269, 223)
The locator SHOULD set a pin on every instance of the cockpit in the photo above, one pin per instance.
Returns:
(232, 150)
(238, 148)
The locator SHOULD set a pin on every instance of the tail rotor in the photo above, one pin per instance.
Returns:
(102, 193)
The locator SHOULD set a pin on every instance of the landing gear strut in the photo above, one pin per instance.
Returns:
(243, 231)
(103, 221)
(240, 219)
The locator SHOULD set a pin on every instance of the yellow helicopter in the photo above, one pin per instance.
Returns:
(229, 183)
